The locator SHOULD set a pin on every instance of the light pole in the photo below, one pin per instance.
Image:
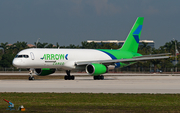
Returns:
(175, 54)
(37, 41)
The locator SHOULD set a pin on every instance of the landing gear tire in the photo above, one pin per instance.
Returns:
(31, 78)
(99, 77)
(102, 77)
(95, 77)
(65, 77)
(72, 77)
(69, 77)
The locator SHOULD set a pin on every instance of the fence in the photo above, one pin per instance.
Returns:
(117, 70)
(12, 70)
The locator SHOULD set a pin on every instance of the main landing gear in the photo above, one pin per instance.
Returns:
(99, 77)
(30, 75)
(68, 76)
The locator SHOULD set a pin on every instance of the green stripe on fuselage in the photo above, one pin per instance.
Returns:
(121, 55)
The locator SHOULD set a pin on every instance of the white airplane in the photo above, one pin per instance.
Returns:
(95, 61)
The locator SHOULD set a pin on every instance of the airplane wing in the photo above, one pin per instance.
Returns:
(134, 59)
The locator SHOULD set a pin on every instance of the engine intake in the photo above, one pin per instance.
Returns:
(96, 69)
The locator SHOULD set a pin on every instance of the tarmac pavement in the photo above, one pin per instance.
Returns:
(111, 84)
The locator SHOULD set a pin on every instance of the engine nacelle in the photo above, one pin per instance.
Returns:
(44, 71)
(96, 69)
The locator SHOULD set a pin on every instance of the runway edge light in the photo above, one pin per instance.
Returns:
(21, 108)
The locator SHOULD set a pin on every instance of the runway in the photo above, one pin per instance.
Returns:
(111, 84)
(119, 74)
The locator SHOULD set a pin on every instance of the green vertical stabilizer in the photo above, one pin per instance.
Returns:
(132, 41)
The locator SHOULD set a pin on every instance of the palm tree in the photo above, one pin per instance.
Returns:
(41, 45)
(20, 45)
(4, 46)
(57, 45)
(49, 46)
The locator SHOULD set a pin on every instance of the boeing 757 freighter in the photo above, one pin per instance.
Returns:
(94, 61)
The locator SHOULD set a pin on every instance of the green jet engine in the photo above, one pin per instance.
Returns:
(96, 69)
(44, 71)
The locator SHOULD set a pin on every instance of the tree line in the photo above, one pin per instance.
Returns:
(8, 52)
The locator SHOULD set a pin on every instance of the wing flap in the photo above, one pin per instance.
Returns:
(153, 55)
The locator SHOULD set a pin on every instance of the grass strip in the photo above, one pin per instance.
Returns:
(88, 102)
(26, 77)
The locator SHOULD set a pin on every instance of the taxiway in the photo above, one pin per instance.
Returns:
(111, 84)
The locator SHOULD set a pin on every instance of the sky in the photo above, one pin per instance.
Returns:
(74, 21)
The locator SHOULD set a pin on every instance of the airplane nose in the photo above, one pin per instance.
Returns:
(16, 62)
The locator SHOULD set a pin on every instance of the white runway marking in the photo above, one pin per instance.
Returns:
(111, 84)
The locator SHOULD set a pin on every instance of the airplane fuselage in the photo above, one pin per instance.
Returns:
(66, 58)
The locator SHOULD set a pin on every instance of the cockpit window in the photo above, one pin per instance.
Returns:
(25, 56)
(21, 56)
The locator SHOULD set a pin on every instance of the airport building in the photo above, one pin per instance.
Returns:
(149, 42)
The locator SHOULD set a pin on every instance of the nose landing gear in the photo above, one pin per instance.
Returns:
(31, 78)
(30, 74)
